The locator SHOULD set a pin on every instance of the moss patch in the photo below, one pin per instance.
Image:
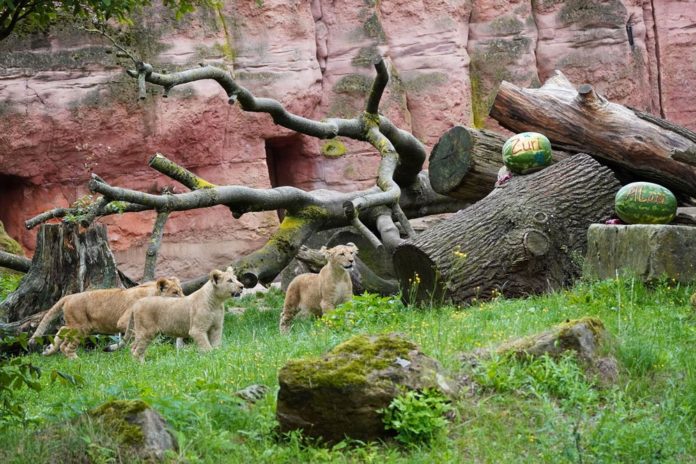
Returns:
(584, 13)
(366, 57)
(8, 244)
(353, 84)
(507, 25)
(333, 148)
(117, 415)
(349, 363)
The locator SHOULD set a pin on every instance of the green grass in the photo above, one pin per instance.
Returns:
(517, 411)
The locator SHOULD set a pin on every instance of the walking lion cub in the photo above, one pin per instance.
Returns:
(199, 315)
(97, 311)
(320, 293)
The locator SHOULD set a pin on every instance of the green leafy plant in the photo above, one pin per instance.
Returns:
(362, 311)
(14, 375)
(8, 283)
(543, 377)
(17, 373)
(417, 416)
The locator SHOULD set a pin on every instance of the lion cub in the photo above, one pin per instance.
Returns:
(199, 315)
(319, 293)
(98, 311)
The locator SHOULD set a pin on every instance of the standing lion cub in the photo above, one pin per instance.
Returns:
(199, 315)
(320, 293)
(97, 311)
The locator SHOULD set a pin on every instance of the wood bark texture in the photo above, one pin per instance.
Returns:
(523, 238)
(580, 120)
(67, 260)
(464, 163)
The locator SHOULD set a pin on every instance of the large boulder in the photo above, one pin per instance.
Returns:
(339, 394)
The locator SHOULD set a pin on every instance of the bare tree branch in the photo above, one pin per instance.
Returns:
(14, 262)
(154, 245)
(378, 87)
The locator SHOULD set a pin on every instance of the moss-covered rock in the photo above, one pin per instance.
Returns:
(585, 336)
(134, 424)
(8, 244)
(339, 394)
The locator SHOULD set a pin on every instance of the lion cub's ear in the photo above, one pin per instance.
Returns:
(162, 284)
(230, 270)
(324, 252)
(215, 276)
(353, 246)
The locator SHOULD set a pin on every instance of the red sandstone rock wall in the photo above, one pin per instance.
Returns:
(66, 108)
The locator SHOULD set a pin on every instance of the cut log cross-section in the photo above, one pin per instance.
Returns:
(464, 163)
(524, 238)
(580, 120)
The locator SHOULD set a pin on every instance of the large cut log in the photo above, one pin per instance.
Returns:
(464, 163)
(583, 121)
(526, 237)
(67, 260)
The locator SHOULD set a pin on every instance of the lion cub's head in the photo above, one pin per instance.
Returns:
(226, 283)
(169, 286)
(341, 255)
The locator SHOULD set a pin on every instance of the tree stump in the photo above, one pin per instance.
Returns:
(646, 251)
(67, 260)
(525, 237)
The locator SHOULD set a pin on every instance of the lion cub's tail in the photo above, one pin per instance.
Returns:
(49, 317)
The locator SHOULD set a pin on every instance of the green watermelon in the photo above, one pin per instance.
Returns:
(645, 203)
(527, 152)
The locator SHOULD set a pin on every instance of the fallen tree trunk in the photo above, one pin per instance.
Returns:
(66, 261)
(464, 163)
(583, 121)
(526, 237)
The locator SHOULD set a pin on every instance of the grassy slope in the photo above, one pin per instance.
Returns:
(544, 412)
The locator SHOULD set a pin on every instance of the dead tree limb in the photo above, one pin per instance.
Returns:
(14, 262)
(580, 120)
(154, 245)
(307, 212)
(105, 210)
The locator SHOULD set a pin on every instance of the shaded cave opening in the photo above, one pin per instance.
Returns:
(288, 164)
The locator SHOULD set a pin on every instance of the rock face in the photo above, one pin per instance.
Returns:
(67, 109)
(338, 395)
(646, 251)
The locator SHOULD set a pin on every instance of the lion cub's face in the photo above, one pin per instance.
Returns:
(342, 255)
(169, 287)
(226, 283)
